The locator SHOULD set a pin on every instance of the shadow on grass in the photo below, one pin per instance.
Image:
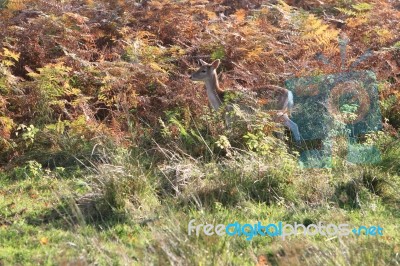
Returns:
(70, 214)
(390, 161)
(357, 192)
(266, 189)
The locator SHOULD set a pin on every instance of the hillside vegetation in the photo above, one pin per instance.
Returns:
(108, 149)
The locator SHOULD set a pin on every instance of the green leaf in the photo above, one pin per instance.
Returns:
(362, 7)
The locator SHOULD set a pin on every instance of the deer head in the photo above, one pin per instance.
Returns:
(206, 72)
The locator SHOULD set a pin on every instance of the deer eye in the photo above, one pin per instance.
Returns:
(203, 71)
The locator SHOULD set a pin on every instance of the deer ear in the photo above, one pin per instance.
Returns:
(202, 62)
(216, 63)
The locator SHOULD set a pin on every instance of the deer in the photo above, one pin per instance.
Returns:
(272, 98)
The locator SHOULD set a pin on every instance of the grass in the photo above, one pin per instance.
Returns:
(124, 213)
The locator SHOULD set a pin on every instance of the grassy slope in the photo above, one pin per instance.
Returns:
(150, 227)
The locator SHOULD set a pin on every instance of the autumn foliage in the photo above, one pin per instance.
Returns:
(90, 71)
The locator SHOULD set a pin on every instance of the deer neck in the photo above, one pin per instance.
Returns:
(214, 92)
